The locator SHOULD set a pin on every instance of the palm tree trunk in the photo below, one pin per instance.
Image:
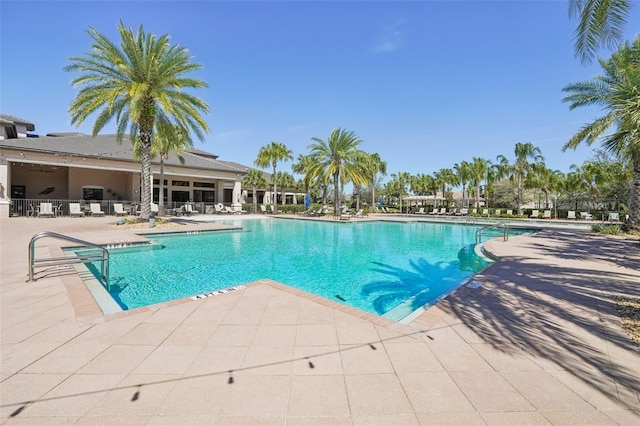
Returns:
(161, 192)
(634, 202)
(145, 184)
(336, 194)
(255, 199)
(275, 190)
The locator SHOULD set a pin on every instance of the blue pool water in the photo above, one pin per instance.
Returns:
(373, 266)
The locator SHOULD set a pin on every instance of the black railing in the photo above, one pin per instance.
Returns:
(30, 207)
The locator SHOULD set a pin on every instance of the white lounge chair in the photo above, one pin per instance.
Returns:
(75, 210)
(546, 214)
(509, 212)
(534, 214)
(118, 209)
(188, 210)
(421, 211)
(485, 212)
(46, 210)
(571, 214)
(614, 217)
(96, 210)
(586, 216)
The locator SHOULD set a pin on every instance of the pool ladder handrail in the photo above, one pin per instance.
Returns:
(103, 257)
(505, 231)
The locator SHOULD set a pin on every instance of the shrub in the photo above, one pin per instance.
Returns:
(607, 229)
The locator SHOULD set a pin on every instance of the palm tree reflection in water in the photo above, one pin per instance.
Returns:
(423, 282)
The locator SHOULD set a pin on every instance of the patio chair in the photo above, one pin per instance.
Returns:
(485, 212)
(119, 210)
(46, 210)
(238, 210)
(263, 209)
(509, 212)
(463, 212)
(571, 214)
(154, 209)
(443, 210)
(546, 214)
(586, 216)
(95, 209)
(271, 209)
(534, 214)
(421, 211)
(188, 210)
(474, 211)
(614, 217)
(75, 210)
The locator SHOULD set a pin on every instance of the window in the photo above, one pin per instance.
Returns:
(204, 184)
(204, 196)
(179, 196)
(157, 182)
(180, 182)
(92, 193)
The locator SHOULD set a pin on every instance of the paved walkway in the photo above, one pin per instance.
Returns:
(538, 342)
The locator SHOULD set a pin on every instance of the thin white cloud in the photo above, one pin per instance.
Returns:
(231, 134)
(391, 38)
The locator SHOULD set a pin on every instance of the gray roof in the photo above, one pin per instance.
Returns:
(12, 119)
(107, 147)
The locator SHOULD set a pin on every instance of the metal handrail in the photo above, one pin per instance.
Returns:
(505, 231)
(104, 258)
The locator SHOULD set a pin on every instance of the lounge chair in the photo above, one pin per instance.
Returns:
(421, 211)
(534, 214)
(263, 209)
(443, 210)
(434, 211)
(118, 210)
(463, 212)
(509, 212)
(188, 210)
(96, 210)
(238, 210)
(586, 216)
(154, 209)
(571, 214)
(75, 210)
(46, 210)
(546, 214)
(474, 211)
(271, 209)
(614, 217)
(485, 212)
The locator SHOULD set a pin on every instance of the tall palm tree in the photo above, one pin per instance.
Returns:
(141, 84)
(286, 180)
(302, 167)
(479, 169)
(463, 174)
(445, 177)
(600, 22)
(166, 139)
(338, 158)
(617, 92)
(255, 179)
(519, 170)
(373, 166)
(269, 155)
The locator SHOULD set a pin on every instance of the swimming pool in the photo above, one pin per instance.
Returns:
(378, 267)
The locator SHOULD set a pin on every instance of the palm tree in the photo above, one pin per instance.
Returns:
(373, 165)
(445, 177)
(255, 179)
(463, 175)
(269, 155)
(302, 167)
(339, 158)
(617, 92)
(402, 179)
(479, 169)
(286, 180)
(600, 22)
(166, 138)
(141, 84)
(544, 179)
(519, 170)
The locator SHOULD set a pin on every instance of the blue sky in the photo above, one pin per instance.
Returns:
(424, 84)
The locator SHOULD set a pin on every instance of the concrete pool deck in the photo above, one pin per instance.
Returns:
(538, 342)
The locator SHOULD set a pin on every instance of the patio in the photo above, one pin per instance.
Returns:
(538, 342)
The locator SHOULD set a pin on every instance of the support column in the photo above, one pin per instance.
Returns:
(5, 201)
(237, 196)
